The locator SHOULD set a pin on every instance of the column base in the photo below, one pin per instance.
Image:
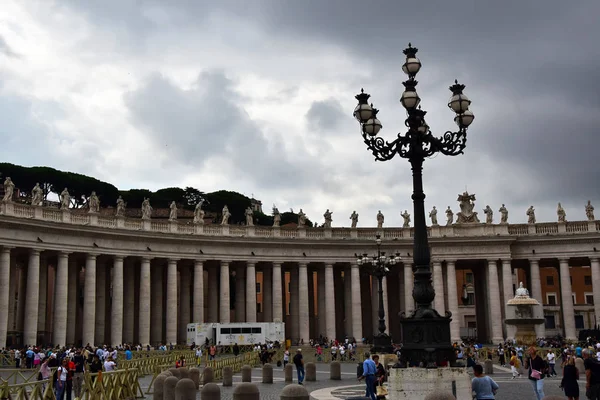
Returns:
(426, 341)
(382, 344)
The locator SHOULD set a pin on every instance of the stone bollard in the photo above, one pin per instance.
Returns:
(267, 373)
(208, 375)
(335, 371)
(294, 392)
(246, 391)
(184, 373)
(166, 373)
(227, 376)
(311, 372)
(246, 373)
(176, 372)
(289, 373)
(195, 376)
(159, 387)
(440, 395)
(210, 391)
(169, 390)
(185, 389)
(488, 367)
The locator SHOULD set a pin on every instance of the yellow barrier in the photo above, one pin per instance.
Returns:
(35, 390)
(113, 385)
(17, 376)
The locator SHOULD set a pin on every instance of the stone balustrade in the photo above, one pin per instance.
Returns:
(26, 211)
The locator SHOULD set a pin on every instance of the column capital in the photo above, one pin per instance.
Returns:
(453, 262)
(506, 260)
(34, 251)
(354, 265)
(199, 262)
(146, 258)
(225, 262)
(594, 258)
(118, 258)
(249, 263)
(6, 249)
(173, 260)
(303, 264)
(563, 260)
(64, 254)
(328, 265)
(436, 261)
(91, 256)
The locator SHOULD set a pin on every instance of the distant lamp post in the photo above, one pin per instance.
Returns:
(378, 267)
(425, 333)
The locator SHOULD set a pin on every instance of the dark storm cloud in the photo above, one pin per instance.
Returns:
(325, 115)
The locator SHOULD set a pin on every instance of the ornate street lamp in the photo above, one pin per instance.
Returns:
(378, 267)
(425, 333)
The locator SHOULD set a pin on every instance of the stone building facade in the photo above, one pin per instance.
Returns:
(89, 278)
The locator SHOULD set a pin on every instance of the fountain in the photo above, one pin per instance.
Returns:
(524, 313)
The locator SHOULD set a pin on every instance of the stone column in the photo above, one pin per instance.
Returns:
(347, 303)
(61, 299)
(536, 291)
(30, 323)
(356, 303)
(409, 302)
(100, 303)
(185, 298)
(267, 298)
(129, 297)
(198, 295)
(453, 302)
(144, 313)
(240, 294)
(303, 316)
(43, 296)
(250, 292)
(375, 304)
(494, 302)
(12, 295)
(294, 303)
(171, 334)
(595, 267)
(4, 293)
(507, 288)
(321, 326)
(213, 295)
(225, 309)
(386, 308)
(89, 301)
(73, 298)
(438, 285)
(329, 303)
(277, 294)
(157, 313)
(566, 293)
(116, 335)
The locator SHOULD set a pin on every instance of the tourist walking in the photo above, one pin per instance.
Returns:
(286, 357)
(484, 387)
(536, 365)
(551, 358)
(299, 363)
(570, 380)
(369, 371)
(515, 364)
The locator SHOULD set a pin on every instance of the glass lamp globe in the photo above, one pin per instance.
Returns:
(363, 112)
(459, 103)
(410, 100)
(423, 129)
(412, 66)
(465, 119)
(372, 127)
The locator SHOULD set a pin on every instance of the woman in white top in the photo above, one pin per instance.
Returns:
(551, 358)
(286, 357)
(61, 382)
(109, 365)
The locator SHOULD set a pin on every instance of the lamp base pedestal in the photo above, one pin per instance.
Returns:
(382, 344)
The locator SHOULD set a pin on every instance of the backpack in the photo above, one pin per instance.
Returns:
(55, 375)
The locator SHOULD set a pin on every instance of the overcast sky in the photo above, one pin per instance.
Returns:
(257, 97)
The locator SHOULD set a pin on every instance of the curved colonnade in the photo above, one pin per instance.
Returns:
(83, 278)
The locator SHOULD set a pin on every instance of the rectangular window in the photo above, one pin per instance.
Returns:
(579, 322)
(289, 287)
(225, 331)
(257, 287)
(587, 280)
(469, 277)
(246, 330)
(257, 330)
(551, 299)
(258, 307)
(589, 299)
(550, 322)
(550, 280)
(471, 297)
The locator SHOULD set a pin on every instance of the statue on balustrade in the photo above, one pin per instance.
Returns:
(199, 213)
(354, 219)
(120, 207)
(249, 216)
(503, 214)
(301, 219)
(380, 219)
(37, 195)
(589, 211)
(562, 215)
(276, 217)
(173, 212)
(328, 219)
(65, 200)
(9, 188)
(467, 204)
(531, 215)
(93, 203)
(406, 217)
(449, 216)
(225, 216)
(146, 209)
(433, 216)
(489, 214)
